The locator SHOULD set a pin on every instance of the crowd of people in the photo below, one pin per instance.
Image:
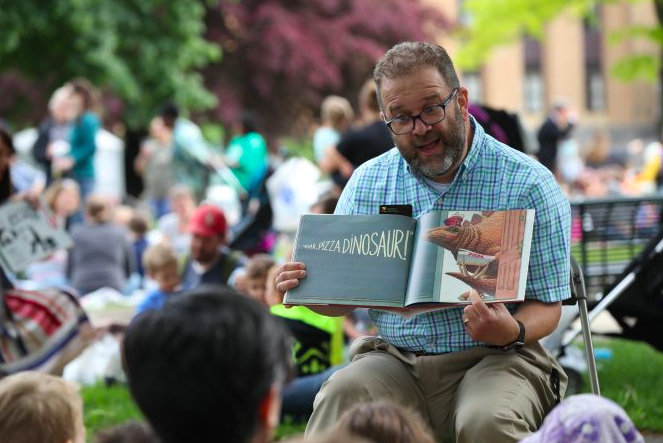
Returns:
(213, 354)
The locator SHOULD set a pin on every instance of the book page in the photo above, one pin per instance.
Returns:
(358, 260)
(483, 250)
(427, 258)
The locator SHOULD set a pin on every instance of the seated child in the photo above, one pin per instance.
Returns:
(384, 421)
(160, 263)
(256, 276)
(40, 408)
(138, 227)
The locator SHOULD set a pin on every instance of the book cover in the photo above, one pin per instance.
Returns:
(394, 261)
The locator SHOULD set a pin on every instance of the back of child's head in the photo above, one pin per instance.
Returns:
(258, 266)
(40, 408)
(130, 432)
(139, 224)
(97, 208)
(385, 421)
(159, 257)
(325, 205)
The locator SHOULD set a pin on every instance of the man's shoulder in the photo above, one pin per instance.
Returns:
(497, 154)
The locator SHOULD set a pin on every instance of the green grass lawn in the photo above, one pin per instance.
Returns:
(633, 378)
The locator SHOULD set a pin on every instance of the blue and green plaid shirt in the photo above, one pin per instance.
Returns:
(493, 176)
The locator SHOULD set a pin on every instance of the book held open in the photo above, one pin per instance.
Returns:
(394, 261)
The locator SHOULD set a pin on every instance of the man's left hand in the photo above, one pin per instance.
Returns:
(489, 323)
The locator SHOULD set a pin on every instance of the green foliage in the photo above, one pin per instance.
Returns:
(640, 66)
(105, 407)
(500, 22)
(145, 51)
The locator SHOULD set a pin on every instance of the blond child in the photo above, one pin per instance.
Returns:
(40, 408)
(160, 263)
(256, 276)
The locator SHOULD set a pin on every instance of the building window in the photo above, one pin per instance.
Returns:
(472, 81)
(534, 91)
(595, 90)
(594, 79)
(534, 88)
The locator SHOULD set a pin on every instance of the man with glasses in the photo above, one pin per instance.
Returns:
(476, 373)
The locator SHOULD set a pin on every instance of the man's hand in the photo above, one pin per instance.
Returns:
(288, 276)
(489, 323)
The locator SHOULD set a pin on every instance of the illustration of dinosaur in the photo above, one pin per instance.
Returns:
(483, 236)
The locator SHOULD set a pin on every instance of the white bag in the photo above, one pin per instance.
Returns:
(292, 191)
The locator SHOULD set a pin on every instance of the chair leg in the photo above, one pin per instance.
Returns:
(589, 347)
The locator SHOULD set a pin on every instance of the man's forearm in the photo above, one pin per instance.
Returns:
(540, 319)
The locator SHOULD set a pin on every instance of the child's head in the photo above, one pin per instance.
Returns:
(37, 407)
(325, 205)
(384, 421)
(122, 215)
(130, 432)
(160, 263)
(256, 275)
(138, 224)
(63, 197)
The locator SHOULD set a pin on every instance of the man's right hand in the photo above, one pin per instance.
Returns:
(288, 276)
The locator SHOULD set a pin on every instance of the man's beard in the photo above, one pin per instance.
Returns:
(453, 141)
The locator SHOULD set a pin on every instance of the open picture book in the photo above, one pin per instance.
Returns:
(395, 261)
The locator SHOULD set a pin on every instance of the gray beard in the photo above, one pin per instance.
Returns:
(454, 144)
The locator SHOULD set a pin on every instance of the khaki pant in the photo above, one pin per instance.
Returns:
(478, 395)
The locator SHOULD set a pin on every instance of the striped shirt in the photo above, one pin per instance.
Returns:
(493, 176)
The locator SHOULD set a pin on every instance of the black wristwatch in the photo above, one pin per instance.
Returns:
(518, 342)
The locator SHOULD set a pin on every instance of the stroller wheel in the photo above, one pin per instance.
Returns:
(575, 381)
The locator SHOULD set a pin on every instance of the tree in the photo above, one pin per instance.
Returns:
(518, 17)
(284, 56)
(145, 52)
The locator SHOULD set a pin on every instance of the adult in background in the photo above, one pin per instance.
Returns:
(362, 144)
(208, 367)
(54, 133)
(191, 153)
(78, 163)
(557, 126)
(101, 255)
(336, 114)
(154, 164)
(174, 226)
(210, 260)
(246, 155)
(475, 373)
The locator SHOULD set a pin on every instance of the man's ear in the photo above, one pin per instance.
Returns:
(382, 116)
(463, 102)
(270, 409)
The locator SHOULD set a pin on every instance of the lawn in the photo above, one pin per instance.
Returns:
(632, 377)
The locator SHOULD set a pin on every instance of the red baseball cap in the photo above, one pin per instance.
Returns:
(207, 221)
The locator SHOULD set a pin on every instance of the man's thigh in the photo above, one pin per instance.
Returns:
(505, 397)
(378, 372)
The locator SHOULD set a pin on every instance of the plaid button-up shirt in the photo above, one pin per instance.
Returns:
(493, 176)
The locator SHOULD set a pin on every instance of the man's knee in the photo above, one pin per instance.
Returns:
(479, 422)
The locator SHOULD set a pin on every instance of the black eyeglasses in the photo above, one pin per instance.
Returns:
(429, 116)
